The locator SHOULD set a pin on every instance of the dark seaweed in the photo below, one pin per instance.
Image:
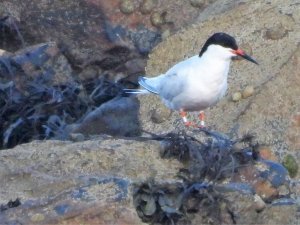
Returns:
(207, 162)
(10, 204)
(35, 109)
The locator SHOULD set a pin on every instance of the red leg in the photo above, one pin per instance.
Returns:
(183, 115)
(201, 118)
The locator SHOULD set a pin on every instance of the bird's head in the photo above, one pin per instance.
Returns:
(225, 46)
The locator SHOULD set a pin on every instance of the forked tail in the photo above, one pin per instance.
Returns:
(144, 82)
(136, 91)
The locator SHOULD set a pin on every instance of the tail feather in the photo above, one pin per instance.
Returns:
(143, 83)
(136, 91)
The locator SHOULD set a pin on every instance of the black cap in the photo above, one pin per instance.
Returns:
(222, 39)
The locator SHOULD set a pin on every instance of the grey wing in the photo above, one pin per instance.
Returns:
(175, 80)
(166, 86)
(172, 83)
(171, 86)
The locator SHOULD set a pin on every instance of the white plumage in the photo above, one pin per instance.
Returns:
(197, 82)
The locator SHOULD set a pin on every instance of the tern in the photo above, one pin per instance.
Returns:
(198, 82)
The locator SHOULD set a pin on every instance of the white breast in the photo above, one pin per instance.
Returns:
(198, 82)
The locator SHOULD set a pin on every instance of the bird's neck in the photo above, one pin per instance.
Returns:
(216, 65)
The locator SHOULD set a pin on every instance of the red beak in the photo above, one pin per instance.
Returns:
(241, 53)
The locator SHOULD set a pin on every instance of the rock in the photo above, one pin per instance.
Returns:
(78, 137)
(94, 181)
(114, 180)
(127, 6)
(271, 110)
(85, 182)
(260, 205)
(38, 62)
(160, 115)
(236, 96)
(265, 177)
(44, 60)
(135, 66)
(282, 215)
(147, 6)
(291, 165)
(101, 26)
(157, 19)
(266, 153)
(248, 91)
(118, 117)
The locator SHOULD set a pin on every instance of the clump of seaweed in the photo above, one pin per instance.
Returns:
(10, 204)
(207, 163)
(35, 109)
(215, 159)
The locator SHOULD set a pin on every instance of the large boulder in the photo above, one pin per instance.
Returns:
(90, 178)
(96, 34)
(126, 181)
(273, 109)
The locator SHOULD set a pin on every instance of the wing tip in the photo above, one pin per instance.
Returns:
(143, 83)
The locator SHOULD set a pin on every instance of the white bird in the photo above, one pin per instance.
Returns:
(197, 82)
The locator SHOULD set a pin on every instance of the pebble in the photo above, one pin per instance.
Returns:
(266, 153)
(127, 6)
(237, 96)
(160, 115)
(259, 203)
(147, 6)
(248, 91)
(38, 217)
(77, 137)
(157, 19)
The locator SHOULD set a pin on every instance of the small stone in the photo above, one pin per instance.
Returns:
(160, 115)
(197, 3)
(157, 19)
(127, 6)
(248, 91)
(77, 137)
(237, 96)
(38, 217)
(266, 153)
(259, 203)
(265, 190)
(290, 163)
(147, 6)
